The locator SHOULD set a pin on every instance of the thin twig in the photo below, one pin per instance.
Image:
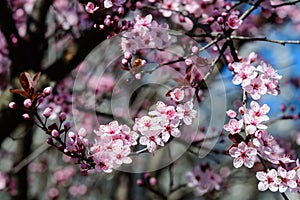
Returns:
(265, 39)
(286, 4)
(250, 10)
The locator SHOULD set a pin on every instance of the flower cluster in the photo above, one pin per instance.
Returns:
(256, 81)
(162, 123)
(204, 179)
(259, 145)
(280, 179)
(112, 146)
(146, 33)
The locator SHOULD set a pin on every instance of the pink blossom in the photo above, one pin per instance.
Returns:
(203, 180)
(244, 73)
(234, 126)
(143, 22)
(243, 155)
(111, 129)
(267, 180)
(233, 21)
(91, 8)
(286, 179)
(231, 113)
(186, 112)
(177, 95)
(255, 116)
(256, 88)
(168, 7)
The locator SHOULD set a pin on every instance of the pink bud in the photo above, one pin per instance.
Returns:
(220, 20)
(138, 5)
(47, 91)
(27, 103)
(153, 181)
(55, 133)
(26, 116)
(62, 116)
(140, 182)
(147, 175)
(12, 105)
(47, 112)
(188, 62)
(67, 126)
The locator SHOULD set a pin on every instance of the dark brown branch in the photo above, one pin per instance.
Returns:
(289, 3)
(7, 23)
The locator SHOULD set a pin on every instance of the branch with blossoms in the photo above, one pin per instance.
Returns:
(257, 144)
(114, 143)
(146, 39)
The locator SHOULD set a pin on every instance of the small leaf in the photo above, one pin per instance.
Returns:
(25, 81)
(20, 92)
(35, 80)
(53, 126)
(236, 138)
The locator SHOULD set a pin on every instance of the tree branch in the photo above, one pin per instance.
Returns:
(282, 42)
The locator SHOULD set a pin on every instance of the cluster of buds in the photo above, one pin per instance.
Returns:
(33, 97)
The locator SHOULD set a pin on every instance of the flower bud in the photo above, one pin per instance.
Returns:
(147, 175)
(27, 103)
(47, 112)
(47, 91)
(188, 62)
(62, 116)
(12, 105)
(140, 182)
(153, 181)
(26, 116)
(67, 126)
(54, 133)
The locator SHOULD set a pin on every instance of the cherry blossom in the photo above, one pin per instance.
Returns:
(268, 180)
(186, 112)
(286, 179)
(233, 21)
(177, 95)
(243, 155)
(234, 126)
